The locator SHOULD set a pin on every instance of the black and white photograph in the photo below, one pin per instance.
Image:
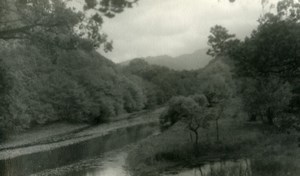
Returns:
(149, 87)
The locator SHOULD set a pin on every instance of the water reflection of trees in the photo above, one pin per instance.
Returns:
(240, 167)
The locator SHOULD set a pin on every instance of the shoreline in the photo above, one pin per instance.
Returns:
(74, 135)
(267, 151)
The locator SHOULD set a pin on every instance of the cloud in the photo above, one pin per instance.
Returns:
(174, 27)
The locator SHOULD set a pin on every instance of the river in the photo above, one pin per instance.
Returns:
(239, 167)
(114, 164)
(105, 155)
(109, 164)
(83, 151)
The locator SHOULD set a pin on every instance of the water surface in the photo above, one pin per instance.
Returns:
(112, 165)
(49, 162)
(241, 167)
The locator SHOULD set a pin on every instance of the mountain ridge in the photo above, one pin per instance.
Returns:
(195, 60)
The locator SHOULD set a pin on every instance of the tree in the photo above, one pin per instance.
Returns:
(219, 41)
(272, 49)
(218, 94)
(218, 86)
(191, 113)
(55, 23)
(269, 61)
(178, 107)
(267, 98)
(204, 116)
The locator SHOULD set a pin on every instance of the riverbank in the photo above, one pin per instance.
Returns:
(271, 153)
(83, 144)
(57, 135)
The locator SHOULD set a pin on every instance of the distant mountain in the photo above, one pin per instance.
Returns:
(195, 60)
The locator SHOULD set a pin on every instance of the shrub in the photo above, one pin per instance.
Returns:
(179, 107)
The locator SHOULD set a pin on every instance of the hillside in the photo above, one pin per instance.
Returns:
(81, 86)
(195, 60)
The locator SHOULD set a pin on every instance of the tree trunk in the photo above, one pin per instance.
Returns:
(270, 116)
(217, 129)
(197, 139)
(196, 142)
(253, 118)
(207, 137)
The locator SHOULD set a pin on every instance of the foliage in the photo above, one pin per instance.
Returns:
(179, 108)
(271, 50)
(81, 87)
(217, 84)
(164, 83)
(268, 64)
(271, 101)
(192, 111)
(57, 24)
(200, 99)
(220, 41)
(214, 84)
(49, 68)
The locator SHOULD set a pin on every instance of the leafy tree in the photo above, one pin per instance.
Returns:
(267, 98)
(193, 114)
(218, 94)
(218, 86)
(55, 23)
(219, 41)
(200, 99)
(179, 107)
(272, 50)
(269, 58)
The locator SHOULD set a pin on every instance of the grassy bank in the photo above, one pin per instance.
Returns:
(271, 153)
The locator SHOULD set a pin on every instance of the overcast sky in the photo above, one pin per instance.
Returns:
(174, 27)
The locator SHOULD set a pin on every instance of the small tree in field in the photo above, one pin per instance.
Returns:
(218, 92)
(190, 112)
(198, 120)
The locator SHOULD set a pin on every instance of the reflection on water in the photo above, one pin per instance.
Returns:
(115, 166)
(107, 166)
(240, 167)
(41, 162)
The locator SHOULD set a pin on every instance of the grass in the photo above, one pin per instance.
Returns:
(271, 153)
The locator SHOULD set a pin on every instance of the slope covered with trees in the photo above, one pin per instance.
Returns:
(268, 67)
(50, 70)
(251, 109)
(81, 87)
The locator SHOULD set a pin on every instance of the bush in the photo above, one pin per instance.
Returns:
(179, 107)
(200, 99)
(101, 115)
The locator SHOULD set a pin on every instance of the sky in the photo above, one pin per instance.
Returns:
(175, 27)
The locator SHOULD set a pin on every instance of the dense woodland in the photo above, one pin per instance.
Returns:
(244, 104)
(50, 70)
